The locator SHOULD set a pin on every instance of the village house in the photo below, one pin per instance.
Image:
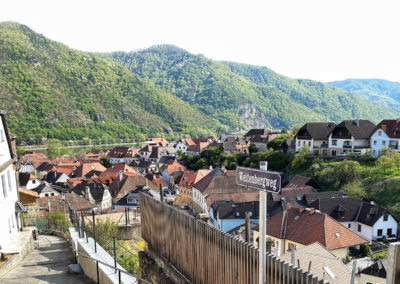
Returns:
(298, 227)
(195, 150)
(11, 208)
(116, 170)
(302, 181)
(227, 214)
(375, 273)
(183, 188)
(315, 136)
(217, 181)
(368, 220)
(28, 180)
(45, 190)
(126, 183)
(261, 137)
(351, 136)
(158, 141)
(95, 193)
(386, 135)
(318, 261)
(122, 154)
(71, 201)
(87, 170)
(27, 197)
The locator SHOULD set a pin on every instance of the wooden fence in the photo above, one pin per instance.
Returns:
(204, 254)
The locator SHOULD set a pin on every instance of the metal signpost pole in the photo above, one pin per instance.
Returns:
(264, 181)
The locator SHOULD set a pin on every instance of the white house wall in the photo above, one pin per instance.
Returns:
(4, 150)
(8, 221)
(384, 225)
(366, 231)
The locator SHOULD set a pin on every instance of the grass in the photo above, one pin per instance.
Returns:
(381, 254)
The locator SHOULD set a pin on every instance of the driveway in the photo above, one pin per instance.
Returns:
(47, 264)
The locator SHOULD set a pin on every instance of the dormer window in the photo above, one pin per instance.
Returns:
(385, 218)
(380, 132)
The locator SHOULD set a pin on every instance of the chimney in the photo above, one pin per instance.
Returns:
(357, 122)
(87, 192)
(301, 209)
(288, 206)
(312, 211)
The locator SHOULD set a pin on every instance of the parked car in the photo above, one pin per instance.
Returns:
(343, 154)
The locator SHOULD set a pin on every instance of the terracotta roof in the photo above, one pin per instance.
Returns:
(118, 187)
(197, 148)
(301, 181)
(64, 160)
(172, 166)
(85, 168)
(115, 169)
(191, 177)
(320, 258)
(306, 226)
(159, 140)
(76, 203)
(256, 131)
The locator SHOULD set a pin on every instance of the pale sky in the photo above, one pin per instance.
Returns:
(315, 39)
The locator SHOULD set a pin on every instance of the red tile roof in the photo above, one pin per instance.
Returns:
(172, 166)
(115, 169)
(306, 226)
(76, 203)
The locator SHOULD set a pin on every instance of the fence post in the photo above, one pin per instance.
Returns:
(247, 226)
(119, 276)
(97, 271)
(94, 231)
(115, 256)
(129, 221)
(126, 217)
(393, 271)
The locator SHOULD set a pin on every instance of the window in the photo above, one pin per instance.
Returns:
(334, 142)
(379, 132)
(12, 220)
(298, 143)
(309, 143)
(383, 143)
(389, 232)
(46, 194)
(374, 152)
(349, 225)
(374, 142)
(379, 232)
(359, 228)
(9, 180)
(385, 217)
(3, 184)
(52, 194)
(250, 213)
(1, 135)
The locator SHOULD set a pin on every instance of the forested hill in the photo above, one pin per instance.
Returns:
(375, 90)
(243, 96)
(50, 90)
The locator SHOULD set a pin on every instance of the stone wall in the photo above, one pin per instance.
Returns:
(130, 232)
(155, 269)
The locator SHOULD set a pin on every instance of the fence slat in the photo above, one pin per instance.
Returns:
(206, 255)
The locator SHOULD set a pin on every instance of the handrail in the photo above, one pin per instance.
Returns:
(112, 267)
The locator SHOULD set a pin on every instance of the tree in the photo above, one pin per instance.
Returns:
(284, 131)
(396, 158)
(385, 162)
(300, 159)
(253, 149)
(347, 171)
(355, 189)
(106, 162)
(277, 142)
(20, 151)
(53, 148)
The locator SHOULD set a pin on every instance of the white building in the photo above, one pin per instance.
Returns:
(9, 218)
(368, 220)
(314, 135)
(386, 136)
(350, 136)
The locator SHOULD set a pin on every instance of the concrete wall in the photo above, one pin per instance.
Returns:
(87, 259)
(130, 232)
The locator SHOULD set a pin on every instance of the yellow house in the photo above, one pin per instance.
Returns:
(298, 227)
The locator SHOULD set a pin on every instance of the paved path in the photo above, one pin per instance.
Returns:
(47, 264)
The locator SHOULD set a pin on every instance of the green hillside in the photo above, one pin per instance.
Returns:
(50, 90)
(375, 90)
(243, 96)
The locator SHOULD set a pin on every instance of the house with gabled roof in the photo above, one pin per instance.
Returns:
(301, 181)
(386, 135)
(314, 135)
(298, 227)
(351, 136)
(217, 181)
(96, 193)
(366, 219)
(317, 260)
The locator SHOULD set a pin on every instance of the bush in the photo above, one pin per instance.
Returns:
(355, 189)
